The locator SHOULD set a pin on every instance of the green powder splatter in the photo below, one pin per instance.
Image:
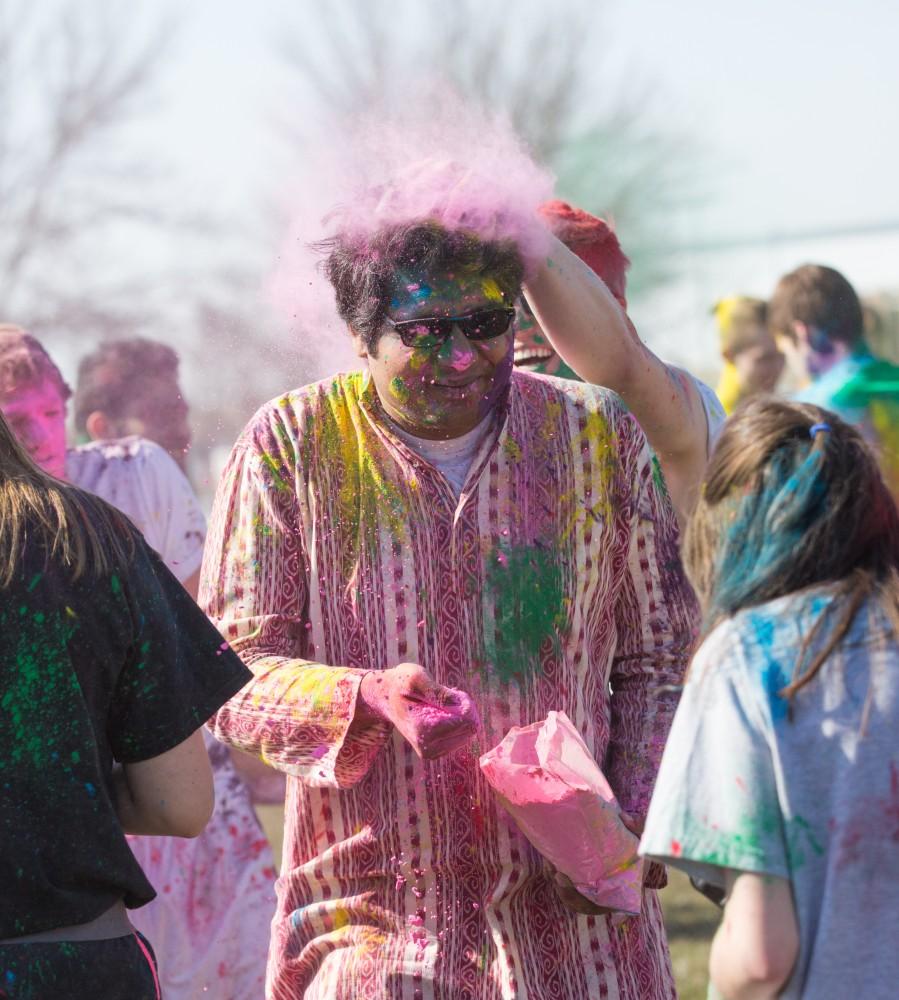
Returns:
(526, 586)
(744, 844)
(275, 472)
(399, 389)
(658, 477)
(39, 690)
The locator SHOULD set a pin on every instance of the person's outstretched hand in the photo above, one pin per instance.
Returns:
(436, 720)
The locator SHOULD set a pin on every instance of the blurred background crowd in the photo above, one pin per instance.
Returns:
(146, 159)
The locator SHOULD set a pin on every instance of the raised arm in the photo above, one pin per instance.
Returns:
(594, 336)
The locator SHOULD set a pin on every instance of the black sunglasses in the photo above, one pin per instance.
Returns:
(434, 331)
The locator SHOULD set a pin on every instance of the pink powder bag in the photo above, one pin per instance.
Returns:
(546, 778)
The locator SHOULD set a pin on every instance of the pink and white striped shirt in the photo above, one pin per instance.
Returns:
(553, 580)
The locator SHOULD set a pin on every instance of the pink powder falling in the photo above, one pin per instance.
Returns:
(442, 159)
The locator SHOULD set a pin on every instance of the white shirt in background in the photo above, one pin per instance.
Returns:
(143, 481)
(714, 411)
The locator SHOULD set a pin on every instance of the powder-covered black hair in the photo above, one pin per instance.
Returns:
(363, 271)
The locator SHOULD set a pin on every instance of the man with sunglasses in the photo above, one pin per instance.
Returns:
(412, 560)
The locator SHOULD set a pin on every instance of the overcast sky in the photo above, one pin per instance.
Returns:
(793, 104)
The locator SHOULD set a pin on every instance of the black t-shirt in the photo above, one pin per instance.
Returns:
(122, 667)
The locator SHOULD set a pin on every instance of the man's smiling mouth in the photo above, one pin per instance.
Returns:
(529, 357)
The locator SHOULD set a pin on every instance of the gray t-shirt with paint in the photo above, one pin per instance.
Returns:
(814, 800)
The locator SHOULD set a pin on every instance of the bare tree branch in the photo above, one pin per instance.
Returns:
(60, 173)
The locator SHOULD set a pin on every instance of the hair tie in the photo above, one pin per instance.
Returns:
(815, 428)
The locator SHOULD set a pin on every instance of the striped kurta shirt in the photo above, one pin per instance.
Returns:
(552, 582)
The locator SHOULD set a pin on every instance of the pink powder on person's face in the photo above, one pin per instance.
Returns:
(446, 390)
(461, 357)
(37, 416)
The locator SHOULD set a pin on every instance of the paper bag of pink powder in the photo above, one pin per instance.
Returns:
(547, 779)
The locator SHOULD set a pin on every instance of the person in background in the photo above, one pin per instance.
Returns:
(780, 779)
(131, 387)
(752, 362)
(210, 920)
(818, 321)
(598, 246)
(133, 474)
(108, 669)
(567, 313)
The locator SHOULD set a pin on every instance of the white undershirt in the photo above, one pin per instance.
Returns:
(451, 456)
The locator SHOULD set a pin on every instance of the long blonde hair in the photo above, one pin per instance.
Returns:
(81, 531)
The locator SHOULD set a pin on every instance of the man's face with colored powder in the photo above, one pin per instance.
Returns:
(533, 351)
(37, 415)
(445, 390)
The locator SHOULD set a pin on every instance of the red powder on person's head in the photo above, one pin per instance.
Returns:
(593, 240)
(25, 364)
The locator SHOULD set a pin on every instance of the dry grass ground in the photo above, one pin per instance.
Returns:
(691, 921)
(690, 918)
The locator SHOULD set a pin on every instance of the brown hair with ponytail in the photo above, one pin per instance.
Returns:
(793, 497)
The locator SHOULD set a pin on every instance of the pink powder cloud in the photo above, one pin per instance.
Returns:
(440, 159)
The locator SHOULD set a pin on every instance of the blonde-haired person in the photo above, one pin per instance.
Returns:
(780, 779)
(107, 672)
(752, 362)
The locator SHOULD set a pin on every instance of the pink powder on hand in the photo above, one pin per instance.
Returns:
(444, 724)
(455, 706)
(546, 778)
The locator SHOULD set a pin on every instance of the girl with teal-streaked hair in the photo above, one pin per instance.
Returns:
(780, 779)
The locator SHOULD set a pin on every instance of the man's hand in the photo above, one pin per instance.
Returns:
(634, 823)
(436, 720)
(566, 889)
(573, 899)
